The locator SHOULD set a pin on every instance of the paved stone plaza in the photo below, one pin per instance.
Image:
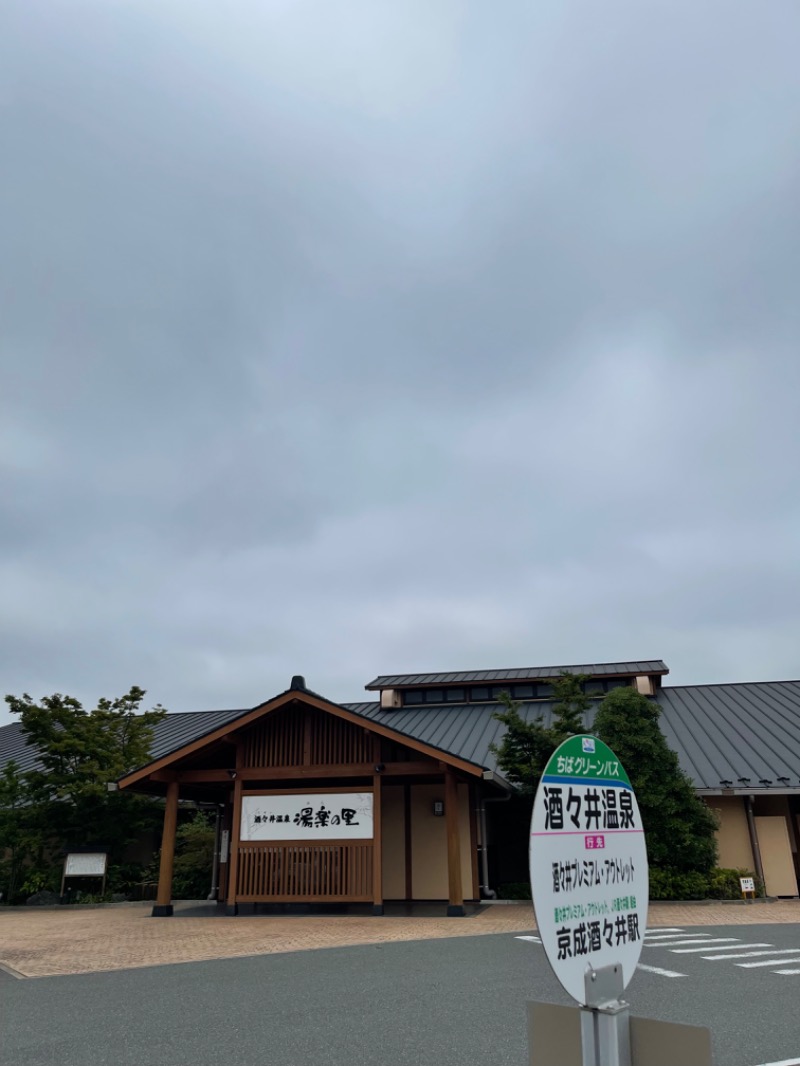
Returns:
(71, 940)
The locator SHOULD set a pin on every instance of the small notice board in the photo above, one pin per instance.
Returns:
(85, 864)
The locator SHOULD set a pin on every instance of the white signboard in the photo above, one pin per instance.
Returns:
(224, 844)
(748, 884)
(307, 816)
(588, 864)
(87, 865)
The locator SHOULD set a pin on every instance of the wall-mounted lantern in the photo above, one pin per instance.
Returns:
(438, 808)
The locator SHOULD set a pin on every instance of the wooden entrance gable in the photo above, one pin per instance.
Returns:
(301, 745)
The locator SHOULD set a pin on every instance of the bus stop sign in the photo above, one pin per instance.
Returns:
(588, 865)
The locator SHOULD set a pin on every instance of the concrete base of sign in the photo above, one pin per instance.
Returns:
(554, 1035)
(161, 910)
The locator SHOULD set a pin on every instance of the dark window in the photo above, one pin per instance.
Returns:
(480, 693)
(594, 688)
(413, 696)
(523, 692)
(544, 691)
(455, 695)
(434, 695)
(617, 682)
(497, 690)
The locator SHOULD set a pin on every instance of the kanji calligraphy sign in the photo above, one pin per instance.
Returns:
(588, 864)
(307, 816)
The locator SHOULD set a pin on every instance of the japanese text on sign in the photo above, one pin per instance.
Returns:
(307, 816)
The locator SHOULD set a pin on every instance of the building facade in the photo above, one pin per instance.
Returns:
(399, 797)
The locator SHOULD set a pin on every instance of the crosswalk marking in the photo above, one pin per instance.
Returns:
(768, 962)
(732, 940)
(668, 936)
(783, 1062)
(664, 929)
(790, 972)
(750, 954)
(716, 947)
(658, 970)
(533, 939)
(694, 940)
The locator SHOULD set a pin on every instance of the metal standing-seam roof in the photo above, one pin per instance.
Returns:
(740, 736)
(522, 673)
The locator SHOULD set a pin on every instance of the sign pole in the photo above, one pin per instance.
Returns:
(605, 1020)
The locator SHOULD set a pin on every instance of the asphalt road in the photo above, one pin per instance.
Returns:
(426, 1003)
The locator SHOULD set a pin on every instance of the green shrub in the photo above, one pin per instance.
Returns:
(666, 884)
(194, 858)
(724, 883)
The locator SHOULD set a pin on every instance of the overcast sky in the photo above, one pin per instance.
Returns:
(349, 337)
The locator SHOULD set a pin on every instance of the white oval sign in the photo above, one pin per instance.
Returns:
(588, 864)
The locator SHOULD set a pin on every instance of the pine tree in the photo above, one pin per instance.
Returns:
(526, 746)
(569, 710)
(679, 828)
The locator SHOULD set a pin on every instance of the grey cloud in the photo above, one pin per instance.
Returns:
(393, 339)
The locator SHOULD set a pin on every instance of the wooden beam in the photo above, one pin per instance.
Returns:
(377, 847)
(407, 833)
(455, 902)
(420, 768)
(454, 761)
(163, 904)
(236, 829)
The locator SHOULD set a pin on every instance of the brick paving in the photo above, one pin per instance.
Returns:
(40, 943)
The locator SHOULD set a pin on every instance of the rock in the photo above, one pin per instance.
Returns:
(43, 899)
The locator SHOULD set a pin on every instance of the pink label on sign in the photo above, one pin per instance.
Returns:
(594, 842)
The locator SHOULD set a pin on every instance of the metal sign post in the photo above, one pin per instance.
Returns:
(589, 884)
(605, 1020)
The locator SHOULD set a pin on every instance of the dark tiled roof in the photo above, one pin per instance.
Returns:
(728, 732)
(14, 747)
(721, 733)
(178, 729)
(170, 733)
(522, 673)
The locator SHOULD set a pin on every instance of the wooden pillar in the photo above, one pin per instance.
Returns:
(455, 903)
(377, 829)
(407, 841)
(232, 906)
(163, 904)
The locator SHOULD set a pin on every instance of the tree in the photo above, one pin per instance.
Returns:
(79, 753)
(679, 828)
(525, 748)
(527, 745)
(17, 842)
(570, 707)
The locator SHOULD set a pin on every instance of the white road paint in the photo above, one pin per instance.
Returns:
(754, 954)
(719, 947)
(664, 929)
(533, 939)
(670, 936)
(768, 962)
(658, 970)
(783, 1062)
(696, 940)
